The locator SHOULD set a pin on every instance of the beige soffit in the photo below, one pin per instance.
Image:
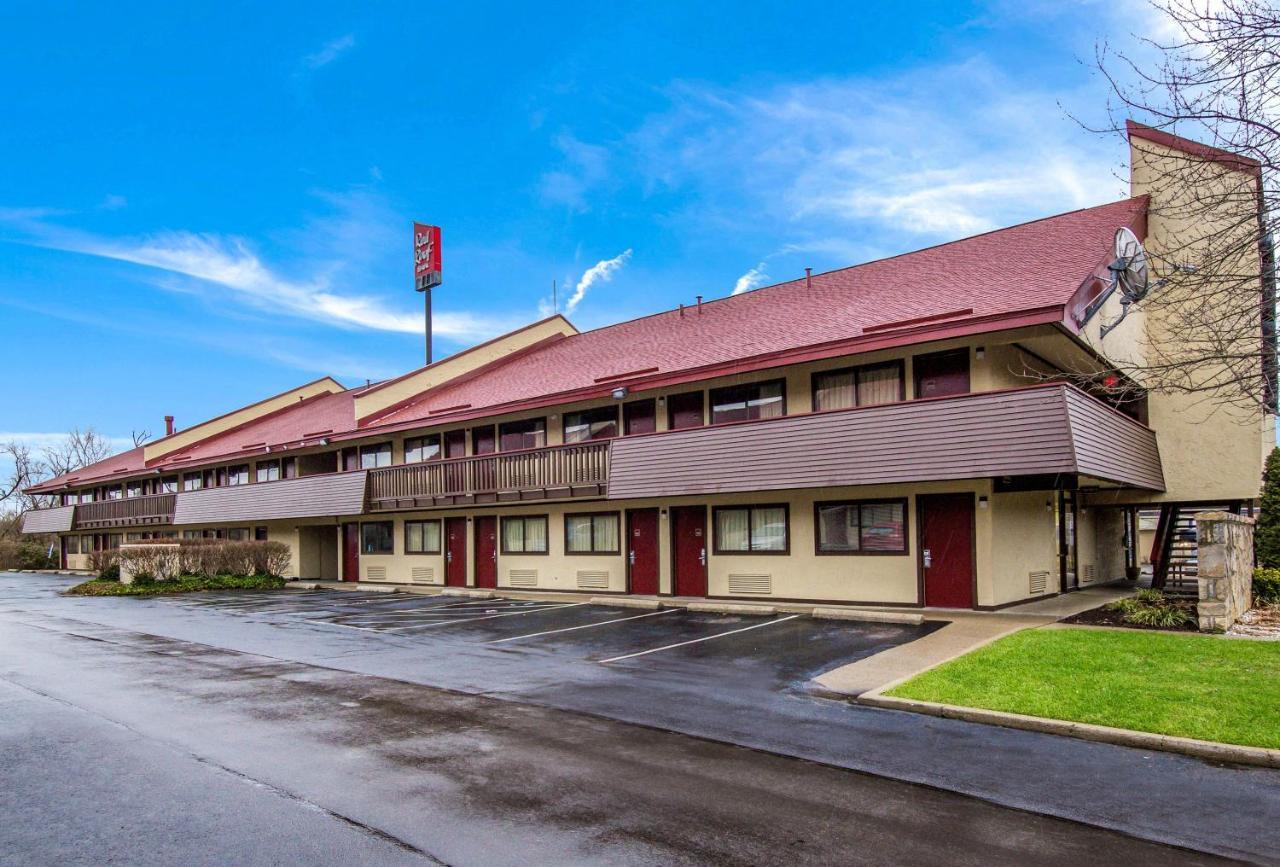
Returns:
(223, 423)
(373, 401)
(322, 496)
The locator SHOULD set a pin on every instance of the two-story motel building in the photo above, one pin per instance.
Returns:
(898, 433)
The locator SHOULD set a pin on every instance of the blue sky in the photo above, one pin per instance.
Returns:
(201, 205)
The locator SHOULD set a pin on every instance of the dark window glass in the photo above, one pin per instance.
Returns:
(115, 493)
(862, 527)
(751, 529)
(73, 544)
(483, 441)
(238, 534)
(260, 534)
(268, 471)
(684, 410)
(289, 468)
(941, 374)
(419, 449)
(455, 444)
(868, 385)
(376, 538)
(531, 433)
(372, 457)
(639, 417)
(747, 402)
(591, 424)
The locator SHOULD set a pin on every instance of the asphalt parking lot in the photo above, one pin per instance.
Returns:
(779, 652)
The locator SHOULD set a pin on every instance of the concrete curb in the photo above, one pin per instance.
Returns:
(731, 608)
(624, 602)
(1211, 750)
(468, 592)
(868, 616)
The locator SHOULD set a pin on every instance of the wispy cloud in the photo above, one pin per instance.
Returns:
(45, 439)
(329, 52)
(585, 166)
(750, 280)
(334, 250)
(601, 272)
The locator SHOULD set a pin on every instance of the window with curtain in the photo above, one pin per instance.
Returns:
(375, 538)
(238, 475)
(591, 534)
(134, 489)
(268, 471)
(591, 424)
(419, 449)
(524, 534)
(751, 529)
(191, 482)
(530, 433)
(73, 544)
(422, 537)
(869, 527)
(372, 457)
(867, 385)
(169, 485)
(746, 402)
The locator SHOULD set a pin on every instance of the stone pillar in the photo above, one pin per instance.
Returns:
(1225, 568)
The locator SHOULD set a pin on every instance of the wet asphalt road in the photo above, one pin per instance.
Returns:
(125, 742)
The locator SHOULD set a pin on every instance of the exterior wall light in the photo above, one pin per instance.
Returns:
(982, 502)
(980, 353)
(620, 392)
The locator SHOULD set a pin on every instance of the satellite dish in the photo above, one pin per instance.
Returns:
(1130, 266)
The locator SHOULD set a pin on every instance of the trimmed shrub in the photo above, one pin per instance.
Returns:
(1266, 586)
(106, 564)
(209, 558)
(1266, 536)
(1152, 608)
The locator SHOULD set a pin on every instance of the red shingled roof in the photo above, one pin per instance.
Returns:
(982, 282)
(1027, 267)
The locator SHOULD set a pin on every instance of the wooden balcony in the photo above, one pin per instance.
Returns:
(552, 473)
(129, 512)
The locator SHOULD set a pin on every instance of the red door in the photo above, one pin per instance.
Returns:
(689, 548)
(941, 374)
(642, 551)
(351, 552)
(487, 551)
(946, 549)
(455, 552)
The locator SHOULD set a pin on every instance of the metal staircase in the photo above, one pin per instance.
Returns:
(1174, 554)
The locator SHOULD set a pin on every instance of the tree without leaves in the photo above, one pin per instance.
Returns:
(77, 450)
(1215, 80)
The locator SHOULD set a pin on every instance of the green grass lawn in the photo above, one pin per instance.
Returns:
(1194, 686)
(185, 584)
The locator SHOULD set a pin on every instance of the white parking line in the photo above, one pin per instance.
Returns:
(704, 638)
(486, 617)
(585, 626)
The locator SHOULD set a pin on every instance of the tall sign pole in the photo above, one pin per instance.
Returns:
(426, 269)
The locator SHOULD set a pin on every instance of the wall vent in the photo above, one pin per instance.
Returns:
(522, 577)
(1039, 582)
(1089, 575)
(426, 574)
(375, 573)
(593, 580)
(750, 584)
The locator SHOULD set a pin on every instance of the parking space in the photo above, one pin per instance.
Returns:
(774, 651)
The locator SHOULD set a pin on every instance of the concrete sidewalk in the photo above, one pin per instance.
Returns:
(966, 631)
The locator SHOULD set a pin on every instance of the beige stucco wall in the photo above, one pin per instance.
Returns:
(1024, 542)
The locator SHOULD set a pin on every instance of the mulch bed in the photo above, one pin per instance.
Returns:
(1103, 617)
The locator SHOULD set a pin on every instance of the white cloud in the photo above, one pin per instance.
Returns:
(600, 272)
(585, 166)
(750, 280)
(331, 51)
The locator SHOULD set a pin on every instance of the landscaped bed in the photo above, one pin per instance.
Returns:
(1194, 686)
(184, 584)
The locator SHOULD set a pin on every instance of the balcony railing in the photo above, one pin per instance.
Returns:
(129, 512)
(555, 472)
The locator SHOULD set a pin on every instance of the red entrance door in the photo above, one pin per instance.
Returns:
(946, 549)
(455, 552)
(486, 551)
(351, 552)
(689, 547)
(642, 551)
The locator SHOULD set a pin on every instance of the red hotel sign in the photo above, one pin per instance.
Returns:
(426, 254)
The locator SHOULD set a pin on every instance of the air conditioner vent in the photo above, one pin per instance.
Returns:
(425, 574)
(1089, 574)
(522, 577)
(593, 580)
(755, 585)
(1039, 582)
(375, 573)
